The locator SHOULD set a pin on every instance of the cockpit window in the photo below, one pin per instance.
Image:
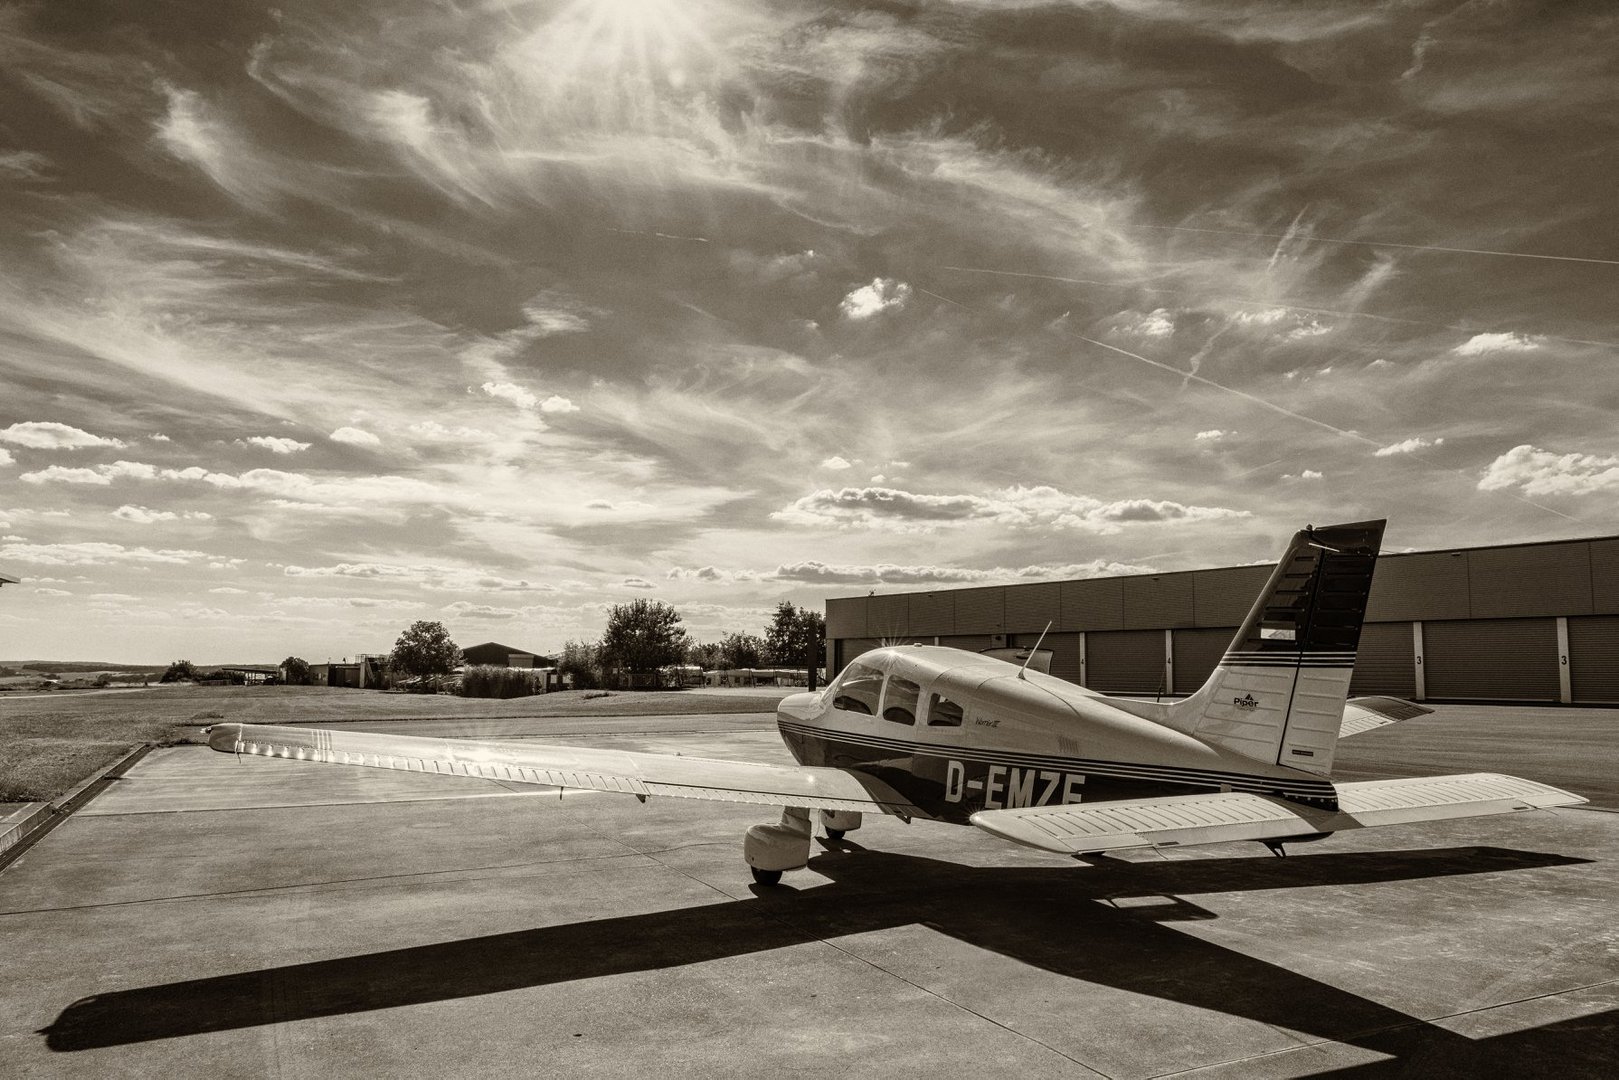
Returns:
(859, 689)
(942, 712)
(899, 704)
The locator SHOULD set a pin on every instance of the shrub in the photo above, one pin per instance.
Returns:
(489, 681)
(581, 662)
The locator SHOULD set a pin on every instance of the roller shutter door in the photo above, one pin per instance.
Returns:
(1064, 654)
(850, 648)
(968, 642)
(1593, 657)
(1197, 652)
(1491, 659)
(1386, 662)
(1125, 661)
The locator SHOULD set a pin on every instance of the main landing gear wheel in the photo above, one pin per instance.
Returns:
(766, 877)
(834, 834)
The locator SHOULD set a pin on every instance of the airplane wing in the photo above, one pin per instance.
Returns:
(571, 767)
(1182, 820)
(1365, 713)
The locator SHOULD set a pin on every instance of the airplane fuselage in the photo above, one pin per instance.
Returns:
(956, 732)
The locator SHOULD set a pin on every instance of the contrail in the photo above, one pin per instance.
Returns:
(1127, 284)
(946, 299)
(1043, 277)
(660, 235)
(1380, 243)
(1183, 373)
(1356, 436)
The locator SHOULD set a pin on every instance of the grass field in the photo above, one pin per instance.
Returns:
(49, 742)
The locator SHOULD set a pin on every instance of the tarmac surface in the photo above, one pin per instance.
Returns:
(209, 916)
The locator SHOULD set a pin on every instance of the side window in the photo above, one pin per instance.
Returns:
(858, 690)
(899, 704)
(942, 712)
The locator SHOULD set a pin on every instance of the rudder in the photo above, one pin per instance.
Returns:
(1278, 693)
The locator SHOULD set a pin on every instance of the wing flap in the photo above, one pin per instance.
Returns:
(570, 767)
(1166, 822)
(1216, 817)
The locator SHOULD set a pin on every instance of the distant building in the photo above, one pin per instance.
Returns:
(365, 673)
(497, 655)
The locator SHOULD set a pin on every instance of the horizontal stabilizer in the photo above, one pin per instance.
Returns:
(1216, 817)
(1365, 713)
(814, 788)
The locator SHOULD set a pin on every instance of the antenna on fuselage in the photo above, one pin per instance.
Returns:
(1032, 651)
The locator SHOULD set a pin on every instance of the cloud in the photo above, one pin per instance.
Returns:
(355, 437)
(99, 475)
(92, 553)
(228, 590)
(883, 294)
(637, 583)
(1540, 472)
(511, 392)
(555, 404)
(159, 438)
(1479, 344)
(140, 515)
(1212, 435)
(434, 578)
(61, 474)
(465, 610)
(49, 435)
(1158, 323)
(6, 458)
(52, 592)
(819, 573)
(1407, 446)
(836, 463)
(275, 443)
(1018, 507)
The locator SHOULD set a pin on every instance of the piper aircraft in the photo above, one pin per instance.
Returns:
(938, 734)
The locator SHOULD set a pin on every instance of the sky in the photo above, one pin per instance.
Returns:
(319, 319)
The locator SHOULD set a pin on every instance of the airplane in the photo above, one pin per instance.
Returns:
(930, 733)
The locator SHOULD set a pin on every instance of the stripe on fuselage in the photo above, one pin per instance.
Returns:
(1298, 788)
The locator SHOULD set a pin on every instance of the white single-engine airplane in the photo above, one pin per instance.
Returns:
(938, 734)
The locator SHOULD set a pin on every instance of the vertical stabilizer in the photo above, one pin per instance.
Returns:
(1278, 695)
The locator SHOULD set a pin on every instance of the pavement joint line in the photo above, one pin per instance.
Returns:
(274, 889)
(1415, 1022)
(958, 1005)
(42, 823)
(778, 918)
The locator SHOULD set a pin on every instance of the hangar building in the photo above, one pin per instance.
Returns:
(1518, 622)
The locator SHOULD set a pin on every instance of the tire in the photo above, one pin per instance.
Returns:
(834, 834)
(766, 877)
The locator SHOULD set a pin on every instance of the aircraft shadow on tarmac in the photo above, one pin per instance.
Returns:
(1047, 918)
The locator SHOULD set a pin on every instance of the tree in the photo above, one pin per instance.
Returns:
(708, 656)
(180, 671)
(743, 651)
(297, 669)
(425, 653)
(796, 637)
(579, 661)
(642, 636)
